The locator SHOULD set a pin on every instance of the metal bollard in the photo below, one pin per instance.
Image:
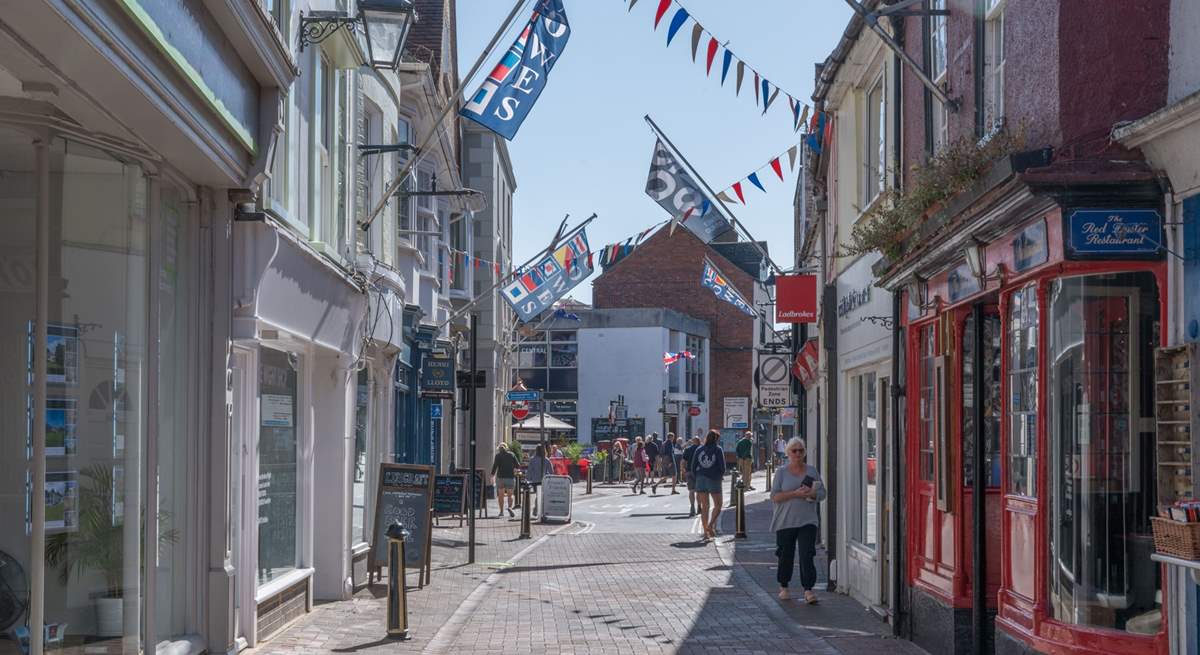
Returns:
(770, 471)
(397, 595)
(517, 496)
(589, 480)
(740, 514)
(733, 481)
(526, 503)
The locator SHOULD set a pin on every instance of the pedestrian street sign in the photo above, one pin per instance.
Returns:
(523, 396)
(772, 378)
(435, 410)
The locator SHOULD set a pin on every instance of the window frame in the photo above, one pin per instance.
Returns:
(1012, 372)
(874, 154)
(938, 63)
(993, 77)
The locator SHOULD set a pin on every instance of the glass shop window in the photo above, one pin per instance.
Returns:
(1023, 317)
(927, 400)
(277, 466)
(1101, 338)
(991, 400)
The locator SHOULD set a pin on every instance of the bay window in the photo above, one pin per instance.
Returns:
(1023, 319)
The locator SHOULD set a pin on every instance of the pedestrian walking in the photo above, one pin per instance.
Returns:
(745, 458)
(652, 450)
(708, 467)
(504, 476)
(666, 462)
(796, 491)
(780, 450)
(676, 461)
(640, 466)
(687, 473)
(616, 456)
(538, 468)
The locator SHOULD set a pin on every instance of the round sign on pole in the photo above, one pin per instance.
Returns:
(519, 413)
(694, 411)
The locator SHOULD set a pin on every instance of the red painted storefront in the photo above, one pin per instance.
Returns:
(1047, 596)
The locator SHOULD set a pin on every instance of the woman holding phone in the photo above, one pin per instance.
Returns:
(796, 490)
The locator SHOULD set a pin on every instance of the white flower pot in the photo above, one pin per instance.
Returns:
(110, 617)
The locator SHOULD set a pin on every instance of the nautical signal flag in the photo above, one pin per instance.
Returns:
(713, 280)
(509, 92)
(537, 288)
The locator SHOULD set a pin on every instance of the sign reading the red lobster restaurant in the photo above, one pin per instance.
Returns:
(796, 299)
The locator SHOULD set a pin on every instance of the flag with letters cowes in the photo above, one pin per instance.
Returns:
(509, 91)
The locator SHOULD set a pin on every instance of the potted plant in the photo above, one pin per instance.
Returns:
(98, 545)
(572, 451)
(601, 462)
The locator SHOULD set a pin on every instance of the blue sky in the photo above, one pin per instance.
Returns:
(585, 146)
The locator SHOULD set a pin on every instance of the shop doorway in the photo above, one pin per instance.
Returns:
(884, 471)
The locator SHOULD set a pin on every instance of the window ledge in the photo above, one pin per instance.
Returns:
(273, 587)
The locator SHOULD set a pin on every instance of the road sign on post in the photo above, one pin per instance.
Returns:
(774, 387)
(524, 396)
(519, 412)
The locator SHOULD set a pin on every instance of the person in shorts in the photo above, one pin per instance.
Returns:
(686, 466)
(708, 467)
(504, 475)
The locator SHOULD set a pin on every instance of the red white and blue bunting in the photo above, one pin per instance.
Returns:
(773, 167)
(670, 358)
(718, 55)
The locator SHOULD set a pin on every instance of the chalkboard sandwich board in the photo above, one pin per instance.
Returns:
(405, 494)
(449, 494)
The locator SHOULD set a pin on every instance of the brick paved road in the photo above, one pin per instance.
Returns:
(629, 576)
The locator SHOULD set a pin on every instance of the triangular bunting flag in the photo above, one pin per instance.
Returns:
(753, 177)
(697, 30)
(795, 105)
(496, 267)
(728, 59)
(631, 4)
(737, 188)
(723, 197)
(775, 166)
(771, 99)
(756, 85)
(663, 6)
(741, 73)
(590, 260)
(712, 52)
(766, 90)
(792, 158)
(705, 205)
(804, 116)
(677, 22)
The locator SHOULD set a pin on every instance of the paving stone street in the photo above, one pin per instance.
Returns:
(628, 575)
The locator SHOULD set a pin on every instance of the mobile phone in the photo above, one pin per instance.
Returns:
(807, 481)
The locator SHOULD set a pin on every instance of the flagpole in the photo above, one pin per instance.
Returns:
(451, 103)
(715, 198)
(558, 238)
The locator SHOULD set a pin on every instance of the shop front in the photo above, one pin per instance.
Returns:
(864, 368)
(1032, 365)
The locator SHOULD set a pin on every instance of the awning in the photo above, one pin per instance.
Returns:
(533, 422)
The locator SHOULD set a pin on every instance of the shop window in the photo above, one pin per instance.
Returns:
(1023, 318)
(531, 355)
(866, 408)
(562, 335)
(564, 379)
(991, 400)
(1101, 337)
(358, 463)
(565, 355)
(277, 466)
(927, 402)
(535, 378)
(874, 157)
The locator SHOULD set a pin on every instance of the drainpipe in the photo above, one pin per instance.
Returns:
(831, 401)
(899, 626)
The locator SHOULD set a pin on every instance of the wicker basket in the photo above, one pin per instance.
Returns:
(1176, 539)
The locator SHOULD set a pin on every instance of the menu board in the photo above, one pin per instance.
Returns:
(556, 498)
(405, 494)
(480, 489)
(449, 494)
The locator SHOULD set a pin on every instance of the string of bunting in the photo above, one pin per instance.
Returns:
(468, 261)
(717, 53)
(775, 165)
(614, 252)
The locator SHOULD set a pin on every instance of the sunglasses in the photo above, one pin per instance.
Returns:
(797, 450)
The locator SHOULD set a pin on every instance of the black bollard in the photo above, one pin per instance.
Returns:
(733, 480)
(589, 479)
(770, 470)
(525, 505)
(740, 514)
(517, 496)
(397, 595)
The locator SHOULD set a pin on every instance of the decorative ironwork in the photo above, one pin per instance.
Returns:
(320, 25)
(885, 322)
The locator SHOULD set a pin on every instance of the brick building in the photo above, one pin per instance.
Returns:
(664, 272)
(1031, 302)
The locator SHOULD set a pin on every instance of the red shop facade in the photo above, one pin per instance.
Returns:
(1031, 320)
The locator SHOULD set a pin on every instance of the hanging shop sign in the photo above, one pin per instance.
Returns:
(1104, 233)
(796, 299)
(1029, 247)
(437, 377)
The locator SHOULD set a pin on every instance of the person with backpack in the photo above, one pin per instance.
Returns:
(745, 458)
(708, 468)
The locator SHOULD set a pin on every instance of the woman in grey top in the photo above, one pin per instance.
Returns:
(796, 490)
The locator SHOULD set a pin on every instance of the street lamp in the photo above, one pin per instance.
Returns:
(385, 22)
